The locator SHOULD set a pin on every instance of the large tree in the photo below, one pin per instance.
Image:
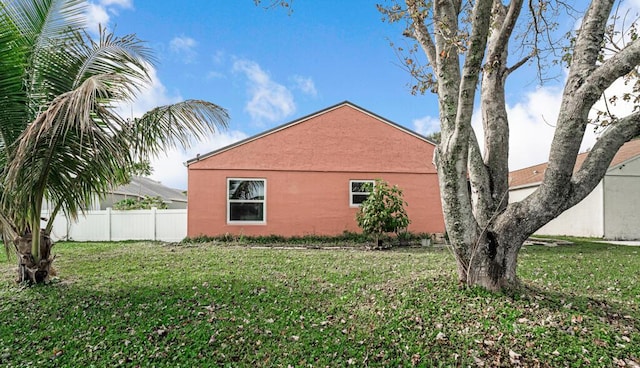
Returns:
(62, 139)
(466, 44)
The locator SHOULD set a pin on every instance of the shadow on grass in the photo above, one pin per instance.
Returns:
(611, 312)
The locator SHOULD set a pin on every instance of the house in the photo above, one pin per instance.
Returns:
(140, 187)
(306, 177)
(609, 212)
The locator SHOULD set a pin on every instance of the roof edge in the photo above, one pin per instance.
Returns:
(623, 163)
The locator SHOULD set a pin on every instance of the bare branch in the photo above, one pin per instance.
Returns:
(420, 31)
(517, 65)
(507, 28)
(269, 4)
(589, 41)
(474, 57)
(613, 68)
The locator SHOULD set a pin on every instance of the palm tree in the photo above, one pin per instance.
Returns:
(61, 138)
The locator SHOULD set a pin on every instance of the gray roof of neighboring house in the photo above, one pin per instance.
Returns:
(142, 187)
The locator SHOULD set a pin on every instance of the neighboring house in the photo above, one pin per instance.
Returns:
(609, 212)
(306, 177)
(141, 187)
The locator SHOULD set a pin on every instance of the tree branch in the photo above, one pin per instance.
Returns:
(591, 34)
(613, 68)
(517, 65)
(578, 98)
(420, 32)
(599, 158)
(474, 57)
(479, 179)
(506, 30)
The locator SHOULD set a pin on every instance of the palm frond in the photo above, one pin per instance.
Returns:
(111, 54)
(61, 145)
(32, 35)
(60, 137)
(176, 125)
(13, 104)
(40, 21)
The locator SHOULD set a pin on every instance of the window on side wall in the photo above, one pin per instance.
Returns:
(246, 201)
(359, 191)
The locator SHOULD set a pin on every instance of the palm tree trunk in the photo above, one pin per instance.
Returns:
(32, 269)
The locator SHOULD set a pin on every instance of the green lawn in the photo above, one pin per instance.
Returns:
(145, 304)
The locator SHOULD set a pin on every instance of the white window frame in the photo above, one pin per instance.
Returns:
(263, 201)
(351, 192)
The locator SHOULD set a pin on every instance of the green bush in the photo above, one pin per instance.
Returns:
(383, 211)
(342, 239)
(146, 203)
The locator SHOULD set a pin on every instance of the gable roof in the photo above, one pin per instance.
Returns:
(533, 175)
(302, 120)
(141, 187)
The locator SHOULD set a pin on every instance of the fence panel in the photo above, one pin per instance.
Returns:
(109, 225)
(171, 225)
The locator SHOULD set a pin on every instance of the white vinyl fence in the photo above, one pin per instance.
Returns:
(111, 225)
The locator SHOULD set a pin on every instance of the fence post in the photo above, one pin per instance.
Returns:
(154, 214)
(108, 223)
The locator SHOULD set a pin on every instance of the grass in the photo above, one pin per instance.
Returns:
(148, 304)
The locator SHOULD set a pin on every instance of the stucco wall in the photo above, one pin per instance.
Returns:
(622, 202)
(308, 166)
(584, 219)
(304, 203)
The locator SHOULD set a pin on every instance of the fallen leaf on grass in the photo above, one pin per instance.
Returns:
(600, 342)
(56, 353)
(514, 357)
(576, 319)
(415, 359)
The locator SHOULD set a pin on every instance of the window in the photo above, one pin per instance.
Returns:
(246, 201)
(358, 191)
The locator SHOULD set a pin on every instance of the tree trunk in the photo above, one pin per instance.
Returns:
(485, 230)
(493, 263)
(34, 270)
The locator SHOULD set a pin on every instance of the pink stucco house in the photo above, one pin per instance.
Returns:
(305, 177)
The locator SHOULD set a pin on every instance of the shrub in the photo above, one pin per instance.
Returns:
(139, 204)
(383, 211)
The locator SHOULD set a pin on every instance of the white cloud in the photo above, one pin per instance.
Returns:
(270, 100)
(169, 168)
(531, 128)
(619, 108)
(305, 85)
(98, 13)
(125, 4)
(426, 125)
(185, 47)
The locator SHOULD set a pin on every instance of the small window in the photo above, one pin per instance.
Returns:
(246, 201)
(359, 191)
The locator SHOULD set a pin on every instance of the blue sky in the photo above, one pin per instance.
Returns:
(269, 67)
